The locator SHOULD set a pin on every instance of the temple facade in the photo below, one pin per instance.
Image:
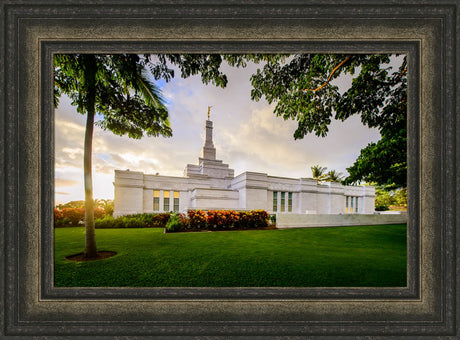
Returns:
(210, 185)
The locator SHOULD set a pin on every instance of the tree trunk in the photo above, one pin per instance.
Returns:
(90, 80)
(90, 235)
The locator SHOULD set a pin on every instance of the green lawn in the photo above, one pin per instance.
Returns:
(364, 256)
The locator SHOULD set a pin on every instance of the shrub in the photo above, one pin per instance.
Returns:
(175, 223)
(184, 221)
(63, 222)
(217, 219)
(197, 219)
(155, 220)
(75, 215)
(400, 197)
(221, 220)
(381, 207)
(133, 221)
(105, 222)
(383, 197)
(244, 220)
(99, 212)
(253, 219)
(58, 215)
(160, 220)
(232, 218)
(272, 219)
(259, 218)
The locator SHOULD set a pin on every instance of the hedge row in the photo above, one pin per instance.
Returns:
(193, 220)
(196, 220)
(133, 221)
(74, 216)
(71, 217)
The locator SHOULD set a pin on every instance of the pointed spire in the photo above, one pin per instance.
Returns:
(208, 151)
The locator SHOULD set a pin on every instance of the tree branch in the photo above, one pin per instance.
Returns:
(330, 76)
(400, 75)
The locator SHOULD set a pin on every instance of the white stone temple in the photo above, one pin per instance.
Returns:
(210, 185)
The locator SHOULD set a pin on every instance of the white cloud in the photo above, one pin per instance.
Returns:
(59, 182)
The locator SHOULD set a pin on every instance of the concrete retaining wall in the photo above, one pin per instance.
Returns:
(284, 221)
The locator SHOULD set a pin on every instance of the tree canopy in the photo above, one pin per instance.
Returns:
(302, 87)
(318, 172)
(123, 97)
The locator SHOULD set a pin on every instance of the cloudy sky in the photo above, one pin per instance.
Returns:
(247, 136)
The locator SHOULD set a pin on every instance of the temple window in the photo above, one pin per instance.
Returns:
(156, 200)
(275, 201)
(166, 201)
(176, 200)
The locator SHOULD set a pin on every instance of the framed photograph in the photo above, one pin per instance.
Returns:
(34, 33)
(250, 183)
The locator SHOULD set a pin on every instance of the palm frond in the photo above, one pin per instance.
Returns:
(150, 92)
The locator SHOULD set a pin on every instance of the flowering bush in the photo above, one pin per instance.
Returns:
(176, 222)
(193, 220)
(58, 215)
(220, 220)
(196, 219)
(259, 218)
(160, 220)
(99, 213)
(74, 215)
(184, 221)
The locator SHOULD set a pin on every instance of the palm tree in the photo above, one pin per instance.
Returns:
(116, 88)
(334, 176)
(318, 173)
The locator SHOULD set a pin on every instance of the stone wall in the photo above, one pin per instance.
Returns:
(213, 199)
(284, 221)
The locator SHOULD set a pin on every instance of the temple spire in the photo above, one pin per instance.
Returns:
(208, 151)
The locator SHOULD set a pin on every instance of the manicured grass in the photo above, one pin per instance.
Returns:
(364, 256)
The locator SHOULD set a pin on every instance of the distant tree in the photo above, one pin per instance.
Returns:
(383, 197)
(383, 162)
(400, 197)
(105, 204)
(318, 172)
(71, 204)
(333, 176)
(386, 197)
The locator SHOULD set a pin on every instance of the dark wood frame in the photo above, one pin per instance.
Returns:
(32, 32)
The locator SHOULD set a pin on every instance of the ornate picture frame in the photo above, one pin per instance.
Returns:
(33, 32)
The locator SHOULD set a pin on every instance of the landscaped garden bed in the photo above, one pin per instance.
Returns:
(193, 220)
(213, 220)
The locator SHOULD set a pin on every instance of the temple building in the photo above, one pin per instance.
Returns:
(210, 185)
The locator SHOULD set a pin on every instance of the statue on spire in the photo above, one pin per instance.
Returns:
(209, 108)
